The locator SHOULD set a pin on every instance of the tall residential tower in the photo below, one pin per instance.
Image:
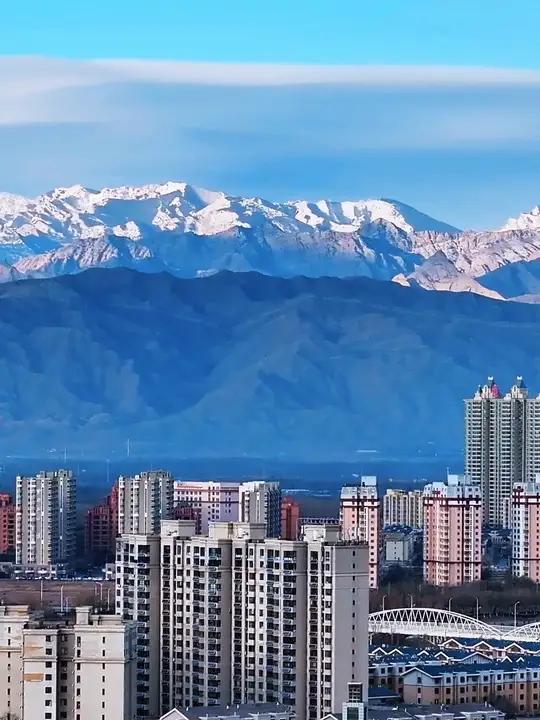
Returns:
(502, 444)
(45, 518)
(452, 532)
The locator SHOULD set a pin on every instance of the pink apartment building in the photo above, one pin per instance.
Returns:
(526, 529)
(360, 517)
(452, 531)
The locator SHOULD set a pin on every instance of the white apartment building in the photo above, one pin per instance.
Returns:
(212, 501)
(502, 444)
(360, 517)
(404, 507)
(65, 669)
(144, 500)
(45, 518)
(249, 619)
(138, 600)
(526, 530)
(260, 502)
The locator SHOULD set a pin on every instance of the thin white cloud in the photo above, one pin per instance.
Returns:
(273, 130)
(274, 74)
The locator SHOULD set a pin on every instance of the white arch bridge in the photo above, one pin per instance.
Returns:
(430, 622)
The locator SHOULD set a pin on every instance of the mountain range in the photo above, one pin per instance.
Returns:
(191, 232)
(247, 364)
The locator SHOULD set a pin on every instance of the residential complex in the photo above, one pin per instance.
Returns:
(452, 531)
(144, 500)
(360, 517)
(61, 669)
(502, 444)
(526, 530)
(45, 518)
(244, 618)
(404, 507)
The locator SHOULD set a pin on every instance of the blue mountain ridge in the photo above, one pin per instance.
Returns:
(246, 364)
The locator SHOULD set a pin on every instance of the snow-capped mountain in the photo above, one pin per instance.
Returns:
(193, 232)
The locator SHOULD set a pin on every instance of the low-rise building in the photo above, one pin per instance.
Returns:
(398, 547)
(514, 684)
(258, 711)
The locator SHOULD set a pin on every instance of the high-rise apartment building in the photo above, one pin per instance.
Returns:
(360, 517)
(7, 524)
(260, 502)
(452, 531)
(144, 500)
(290, 519)
(74, 669)
(213, 501)
(249, 619)
(526, 530)
(404, 507)
(45, 518)
(502, 444)
(196, 610)
(138, 600)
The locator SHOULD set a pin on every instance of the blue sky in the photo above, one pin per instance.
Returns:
(231, 109)
(498, 33)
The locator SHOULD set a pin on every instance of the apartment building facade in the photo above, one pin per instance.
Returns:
(403, 507)
(290, 519)
(360, 518)
(45, 518)
(502, 444)
(7, 524)
(260, 502)
(66, 669)
(138, 600)
(213, 501)
(248, 619)
(526, 530)
(515, 683)
(452, 532)
(144, 500)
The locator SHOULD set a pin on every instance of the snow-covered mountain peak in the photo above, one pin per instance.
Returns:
(191, 232)
(11, 204)
(525, 221)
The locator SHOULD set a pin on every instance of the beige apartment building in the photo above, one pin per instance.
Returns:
(249, 619)
(144, 500)
(360, 517)
(74, 669)
(404, 507)
(195, 615)
(452, 531)
(45, 518)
